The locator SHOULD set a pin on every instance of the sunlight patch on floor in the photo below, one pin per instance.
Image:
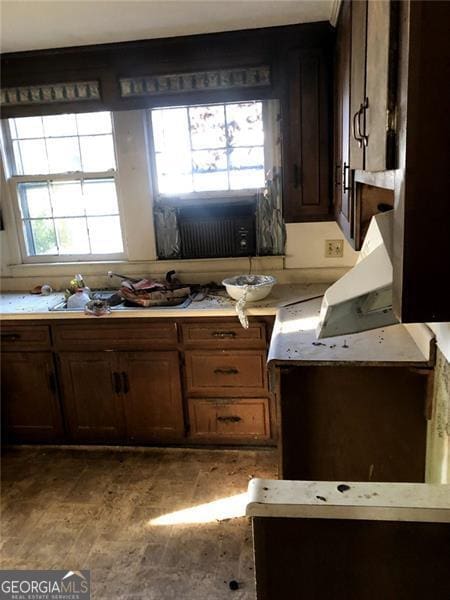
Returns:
(218, 510)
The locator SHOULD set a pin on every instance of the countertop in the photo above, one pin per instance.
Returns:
(420, 502)
(294, 342)
(22, 305)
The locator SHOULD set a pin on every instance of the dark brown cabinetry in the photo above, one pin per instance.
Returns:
(364, 110)
(342, 175)
(30, 404)
(226, 383)
(119, 386)
(137, 382)
(91, 395)
(307, 137)
(151, 391)
(374, 34)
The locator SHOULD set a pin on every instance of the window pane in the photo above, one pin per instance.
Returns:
(210, 170)
(72, 236)
(100, 197)
(242, 158)
(174, 173)
(42, 233)
(97, 122)
(27, 127)
(105, 235)
(67, 199)
(170, 130)
(34, 157)
(97, 153)
(245, 124)
(248, 179)
(207, 127)
(211, 181)
(63, 155)
(34, 200)
(60, 125)
(246, 168)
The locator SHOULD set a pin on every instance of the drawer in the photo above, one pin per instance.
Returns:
(224, 334)
(112, 336)
(226, 373)
(227, 420)
(27, 337)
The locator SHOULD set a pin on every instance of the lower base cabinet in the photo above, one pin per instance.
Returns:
(30, 405)
(118, 397)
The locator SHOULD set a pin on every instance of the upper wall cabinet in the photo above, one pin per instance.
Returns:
(306, 137)
(373, 85)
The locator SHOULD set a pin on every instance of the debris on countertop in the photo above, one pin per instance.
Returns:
(294, 340)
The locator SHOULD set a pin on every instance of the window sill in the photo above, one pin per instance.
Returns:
(148, 267)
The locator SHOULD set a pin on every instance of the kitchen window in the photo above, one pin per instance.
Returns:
(63, 175)
(208, 149)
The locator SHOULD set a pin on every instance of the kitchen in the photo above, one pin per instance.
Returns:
(170, 409)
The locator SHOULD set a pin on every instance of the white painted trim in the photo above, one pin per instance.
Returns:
(334, 12)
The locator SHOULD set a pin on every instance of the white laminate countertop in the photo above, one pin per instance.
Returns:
(294, 342)
(22, 305)
(420, 502)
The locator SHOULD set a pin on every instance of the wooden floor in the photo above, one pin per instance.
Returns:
(92, 509)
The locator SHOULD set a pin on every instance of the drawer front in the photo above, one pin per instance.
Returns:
(34, 337)
(109, 336)
(230, 420)
(237, 373)
(224, 334)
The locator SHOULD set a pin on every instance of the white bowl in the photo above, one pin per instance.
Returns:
(257, 286)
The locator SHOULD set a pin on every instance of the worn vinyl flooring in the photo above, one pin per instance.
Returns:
(97, 509)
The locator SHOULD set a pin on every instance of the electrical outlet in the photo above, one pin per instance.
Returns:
(334, 248)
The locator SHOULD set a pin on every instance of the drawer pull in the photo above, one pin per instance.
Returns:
(226, 371)
(230, 419)
(116, 383)
(126, 382)
(224, 334)
(10, 337)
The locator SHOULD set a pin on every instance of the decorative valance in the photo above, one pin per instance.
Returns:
(175, 83)
(78, 91)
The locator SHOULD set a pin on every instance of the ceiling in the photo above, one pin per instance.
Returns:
(37, 24)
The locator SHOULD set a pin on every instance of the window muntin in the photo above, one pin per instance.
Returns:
(63, 172)
(207, 148)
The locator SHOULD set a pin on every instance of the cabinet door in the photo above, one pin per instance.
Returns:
(152, 396)
(380, 85)
(358, 83)
(30, 404)
(306, 138)
(92, 400)
(343, 195)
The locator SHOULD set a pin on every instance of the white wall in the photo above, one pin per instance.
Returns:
(305, 246)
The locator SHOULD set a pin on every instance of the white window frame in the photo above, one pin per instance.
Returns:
(13, 182)
(203, 197)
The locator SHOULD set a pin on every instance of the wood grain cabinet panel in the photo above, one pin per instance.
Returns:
(241, 372)
(91, 393)
(230, 420)
(30, 405)
(151, 388)
(111, 336)
(224, 334)
(17, 337)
